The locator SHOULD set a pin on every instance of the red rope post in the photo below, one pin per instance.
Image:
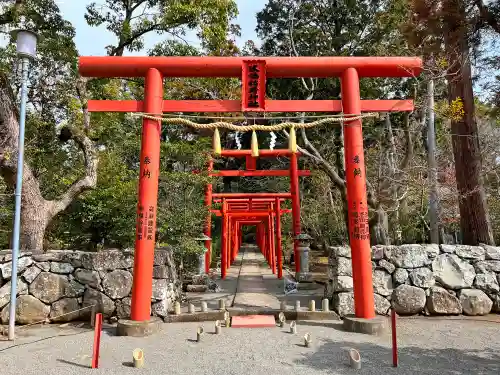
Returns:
(97, 340)
(394, 339)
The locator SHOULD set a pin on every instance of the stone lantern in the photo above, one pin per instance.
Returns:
(304, 245)
(201, 258)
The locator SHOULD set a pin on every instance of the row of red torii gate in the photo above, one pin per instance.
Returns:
(262, 210)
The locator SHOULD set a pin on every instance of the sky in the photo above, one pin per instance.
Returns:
(91, 41)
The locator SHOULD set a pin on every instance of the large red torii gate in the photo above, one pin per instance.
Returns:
(155, 69)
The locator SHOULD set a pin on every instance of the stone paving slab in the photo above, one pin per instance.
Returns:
(257, 286)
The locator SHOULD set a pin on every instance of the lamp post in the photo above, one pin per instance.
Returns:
(304, 245)
(26, 49)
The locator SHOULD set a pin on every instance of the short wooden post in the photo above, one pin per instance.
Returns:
(177, 308)
(138, 358)
(199, 332)
(297, 305)
(325, 305)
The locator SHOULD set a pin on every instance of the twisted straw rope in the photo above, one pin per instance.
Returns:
(248, 128)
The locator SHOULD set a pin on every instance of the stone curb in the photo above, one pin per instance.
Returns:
(219, 315)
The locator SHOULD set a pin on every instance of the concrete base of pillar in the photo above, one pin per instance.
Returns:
(375, 326)
(308, 285)
(303, 277)
(138, 329)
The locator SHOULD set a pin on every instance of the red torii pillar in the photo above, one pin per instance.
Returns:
(277, 209)
(295, 191)
(223, 245)
(208, 221)
(142, 288)
(359, 232)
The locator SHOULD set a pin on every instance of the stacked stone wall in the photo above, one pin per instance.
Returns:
(427, 279)
(54, 285)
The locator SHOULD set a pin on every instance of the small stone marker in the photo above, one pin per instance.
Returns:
(325, 305)
(138, 358)
(191, 309)
(312, 305)
(217, 327)
(293, 327)
(204, 307)
(297, 305)
(199, 332)
(177, 308)
(307, 340)
(227, 319)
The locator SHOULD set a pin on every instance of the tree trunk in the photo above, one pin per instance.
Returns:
(37, 212)
(474, 218)
(34, 222)
(379, 227)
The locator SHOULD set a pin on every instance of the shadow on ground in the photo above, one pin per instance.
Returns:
(412, 360)
(40, 340)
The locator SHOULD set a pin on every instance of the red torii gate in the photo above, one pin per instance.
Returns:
(293, 172)
(265, 213)
(155, 69)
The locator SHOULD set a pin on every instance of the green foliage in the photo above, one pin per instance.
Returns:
(130, 21)
(106, 216)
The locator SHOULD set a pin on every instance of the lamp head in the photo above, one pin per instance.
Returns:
(26, 41)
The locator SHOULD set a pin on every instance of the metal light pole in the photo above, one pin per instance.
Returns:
(26, 49)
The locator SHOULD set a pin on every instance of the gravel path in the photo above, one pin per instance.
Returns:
(427, 346)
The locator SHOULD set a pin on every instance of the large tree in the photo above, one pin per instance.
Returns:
(459, 25)
(338, 28)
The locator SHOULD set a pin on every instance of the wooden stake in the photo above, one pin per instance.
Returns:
(199, 332)
(138, 358)
(307, 340)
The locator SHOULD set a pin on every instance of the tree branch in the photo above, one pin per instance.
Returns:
(9, 15)
(487, 16)
(91, 159)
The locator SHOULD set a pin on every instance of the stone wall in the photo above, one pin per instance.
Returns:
(428, 279)
(60, 282)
